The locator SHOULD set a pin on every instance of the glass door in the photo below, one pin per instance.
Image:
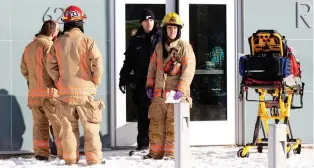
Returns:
(127, 20)
(210, 28)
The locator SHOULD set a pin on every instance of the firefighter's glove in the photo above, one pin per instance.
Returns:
(150, 92)
(122, 86)
(178, 95)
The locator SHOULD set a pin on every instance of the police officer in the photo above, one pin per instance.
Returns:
(137, 57)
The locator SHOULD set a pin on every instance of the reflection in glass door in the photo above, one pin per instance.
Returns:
(208, 39)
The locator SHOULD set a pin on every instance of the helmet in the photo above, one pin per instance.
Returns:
(172, 19)
(73, 13)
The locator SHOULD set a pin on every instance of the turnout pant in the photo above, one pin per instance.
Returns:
(42, 115)
(90, 116)
(161, 129)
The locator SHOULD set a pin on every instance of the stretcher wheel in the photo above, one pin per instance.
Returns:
(131, 153)
(260, 149)
(239, 154)
(297, 150)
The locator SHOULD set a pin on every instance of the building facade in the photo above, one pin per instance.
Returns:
(218, 31)
(21, 21)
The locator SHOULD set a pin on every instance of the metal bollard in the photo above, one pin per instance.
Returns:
(182, 137)
(277, 142)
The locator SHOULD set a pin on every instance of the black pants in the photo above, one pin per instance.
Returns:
(52, 142)
(142, 102)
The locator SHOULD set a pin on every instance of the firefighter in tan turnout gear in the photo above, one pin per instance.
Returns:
(75, 64)
(172, 67)
(41, 90)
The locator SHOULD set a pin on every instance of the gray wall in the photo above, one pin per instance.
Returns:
(281, 15)
(20, 21)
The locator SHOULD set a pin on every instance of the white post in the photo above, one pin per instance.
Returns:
(170, 6)
(277, 142)
(182, 137)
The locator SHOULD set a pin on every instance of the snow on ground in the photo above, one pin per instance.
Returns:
(201, 157)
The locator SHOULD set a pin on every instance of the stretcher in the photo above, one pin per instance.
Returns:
(267, 71)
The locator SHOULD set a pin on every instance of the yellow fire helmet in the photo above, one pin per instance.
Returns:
(171, 19)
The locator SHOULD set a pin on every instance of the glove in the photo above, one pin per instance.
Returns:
(178, 95)
(150, 92)
(122, 86)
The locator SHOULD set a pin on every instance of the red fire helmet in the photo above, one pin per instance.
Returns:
(73, 13)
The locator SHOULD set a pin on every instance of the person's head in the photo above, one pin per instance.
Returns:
(50, 28)
(172, 31)
(172, 25)
(147, 20)
(73, 17)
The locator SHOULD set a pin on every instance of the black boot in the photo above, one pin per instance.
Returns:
(168, 158)
(147, 157)
(44, 158)
(140, 148)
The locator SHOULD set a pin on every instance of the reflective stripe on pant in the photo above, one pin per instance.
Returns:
(70, 132)
(42, 114)
(161, 134)
(68, 157)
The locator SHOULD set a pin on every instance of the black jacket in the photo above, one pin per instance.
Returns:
(139, 52)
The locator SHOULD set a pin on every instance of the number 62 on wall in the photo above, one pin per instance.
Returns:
(53, 14)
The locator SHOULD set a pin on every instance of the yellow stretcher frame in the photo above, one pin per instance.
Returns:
(279, 111)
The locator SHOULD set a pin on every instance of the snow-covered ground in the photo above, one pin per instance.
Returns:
(201, 157)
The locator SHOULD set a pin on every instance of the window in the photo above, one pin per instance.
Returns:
(208, 39)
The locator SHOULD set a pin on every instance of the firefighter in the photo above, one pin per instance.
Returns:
(172, 67)
(52, 142)
(137, 58)
(75, 65)
(42, 93)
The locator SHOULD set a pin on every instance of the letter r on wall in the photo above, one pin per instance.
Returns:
(304, 13)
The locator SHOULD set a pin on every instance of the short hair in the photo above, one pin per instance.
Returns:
(48, 28)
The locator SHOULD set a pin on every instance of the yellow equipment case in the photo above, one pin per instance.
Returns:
(267, 42)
